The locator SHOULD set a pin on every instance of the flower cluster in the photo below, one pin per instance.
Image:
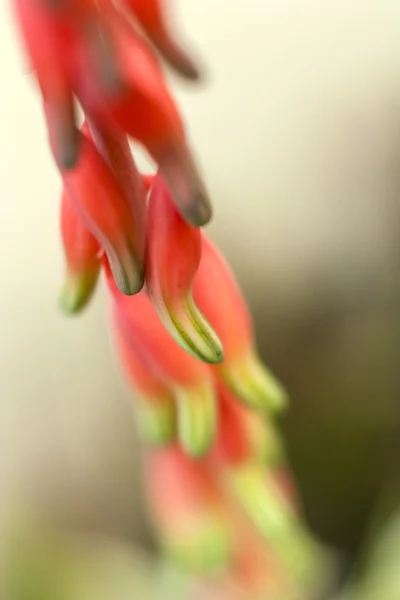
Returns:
(218, 490)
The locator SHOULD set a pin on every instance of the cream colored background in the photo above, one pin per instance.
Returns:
(297, 129)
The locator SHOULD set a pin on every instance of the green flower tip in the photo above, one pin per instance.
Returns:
(197, 419)
(77, 292)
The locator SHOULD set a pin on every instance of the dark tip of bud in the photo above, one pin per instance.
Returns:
(185, 183)
(128, 277)
(199, 212)
(180, 61)
(67, 149)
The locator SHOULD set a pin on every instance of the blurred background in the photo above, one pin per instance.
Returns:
(297, 129)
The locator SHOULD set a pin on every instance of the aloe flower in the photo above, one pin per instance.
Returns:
(214, 463)
(172, 241)
(99, 199)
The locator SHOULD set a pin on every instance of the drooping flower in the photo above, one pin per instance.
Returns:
(115, 149)
(151, 16)
(219, 298)
(99, 199)
(172, 260)
(44, 42)
(81, 251)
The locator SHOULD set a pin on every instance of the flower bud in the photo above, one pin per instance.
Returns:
(154, 402)
(99, 200)
(151, 17)
(81, 251)
(218, 296)
(172, 259)
(45, 49)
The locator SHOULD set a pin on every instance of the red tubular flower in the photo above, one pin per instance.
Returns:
(154, 400)
(190, 379)
(99, 200)
(94, 64)
(46, 50)
(138, 102)
(151, 17)
(115, 149)
(82, 258)
(218, 296)
(187, 510)
(172, 259)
